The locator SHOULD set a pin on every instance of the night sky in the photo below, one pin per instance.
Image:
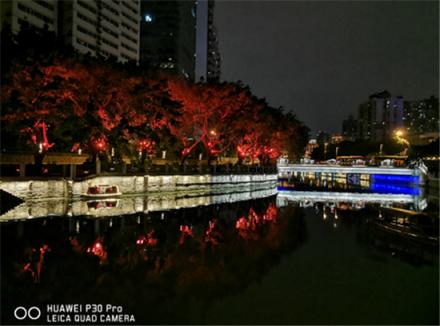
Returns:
(322, 59)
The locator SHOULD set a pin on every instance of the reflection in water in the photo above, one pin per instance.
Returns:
(355, 188)
(159, 258)
(170, 266)
(128, 205)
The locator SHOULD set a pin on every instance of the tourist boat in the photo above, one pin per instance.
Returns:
(102, 191)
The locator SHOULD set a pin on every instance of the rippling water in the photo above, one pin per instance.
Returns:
(291, 258)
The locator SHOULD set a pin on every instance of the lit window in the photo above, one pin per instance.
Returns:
(148, 18)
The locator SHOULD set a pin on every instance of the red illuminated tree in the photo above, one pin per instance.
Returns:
(209, 115)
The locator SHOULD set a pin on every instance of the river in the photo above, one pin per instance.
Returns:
(311, 253)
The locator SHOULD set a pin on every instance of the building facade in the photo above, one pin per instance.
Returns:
(213, 56)
(180, 37)
(97, 27)
(167, 38)
(41, 14)
(380, 117)
(422, 116)
(207, 51)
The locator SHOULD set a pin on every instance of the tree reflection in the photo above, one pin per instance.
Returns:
(204, 254)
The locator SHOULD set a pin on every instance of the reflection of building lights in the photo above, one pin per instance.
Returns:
(324, 216)
(335, 225)
(336, 215)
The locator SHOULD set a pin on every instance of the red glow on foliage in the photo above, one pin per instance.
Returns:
(147, 145)
(212, 235)
(100, 144)
(39, 135)
(186, 151)
(185, 232)
(98, 250)
(35, 268)
(242, 223)
(271, 213)
(148, 240)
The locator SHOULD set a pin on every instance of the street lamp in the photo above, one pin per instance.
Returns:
(400, 140)
(399, 137)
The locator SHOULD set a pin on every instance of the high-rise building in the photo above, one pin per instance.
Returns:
(107, 28)
(180, 36)
(167, 38)
(422, 116)
(41, 14)
(207, 52)
(213, 55)
(380, 116)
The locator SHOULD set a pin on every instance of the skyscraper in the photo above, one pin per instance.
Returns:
(168, 36)
(207, 52)
(213, 64)
(180, 36)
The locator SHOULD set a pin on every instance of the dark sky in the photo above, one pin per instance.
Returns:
(322, 59)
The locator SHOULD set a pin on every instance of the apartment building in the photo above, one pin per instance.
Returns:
(107, 28)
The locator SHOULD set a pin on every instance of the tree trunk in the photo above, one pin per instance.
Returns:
(38, 158)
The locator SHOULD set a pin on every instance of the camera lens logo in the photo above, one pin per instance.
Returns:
(32, 313)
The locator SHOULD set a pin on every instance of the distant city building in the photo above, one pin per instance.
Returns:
(380, 117)
(167, 40)
(207, 66)
(349, 128)
(107, 28)
(214, 60)
(422, 116)
(421, 121)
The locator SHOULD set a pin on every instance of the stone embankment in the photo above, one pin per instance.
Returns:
(131, 185)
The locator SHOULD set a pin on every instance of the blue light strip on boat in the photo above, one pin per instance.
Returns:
(383, 188)
(390, 178)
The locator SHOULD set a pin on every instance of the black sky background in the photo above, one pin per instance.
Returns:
(322, 59)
